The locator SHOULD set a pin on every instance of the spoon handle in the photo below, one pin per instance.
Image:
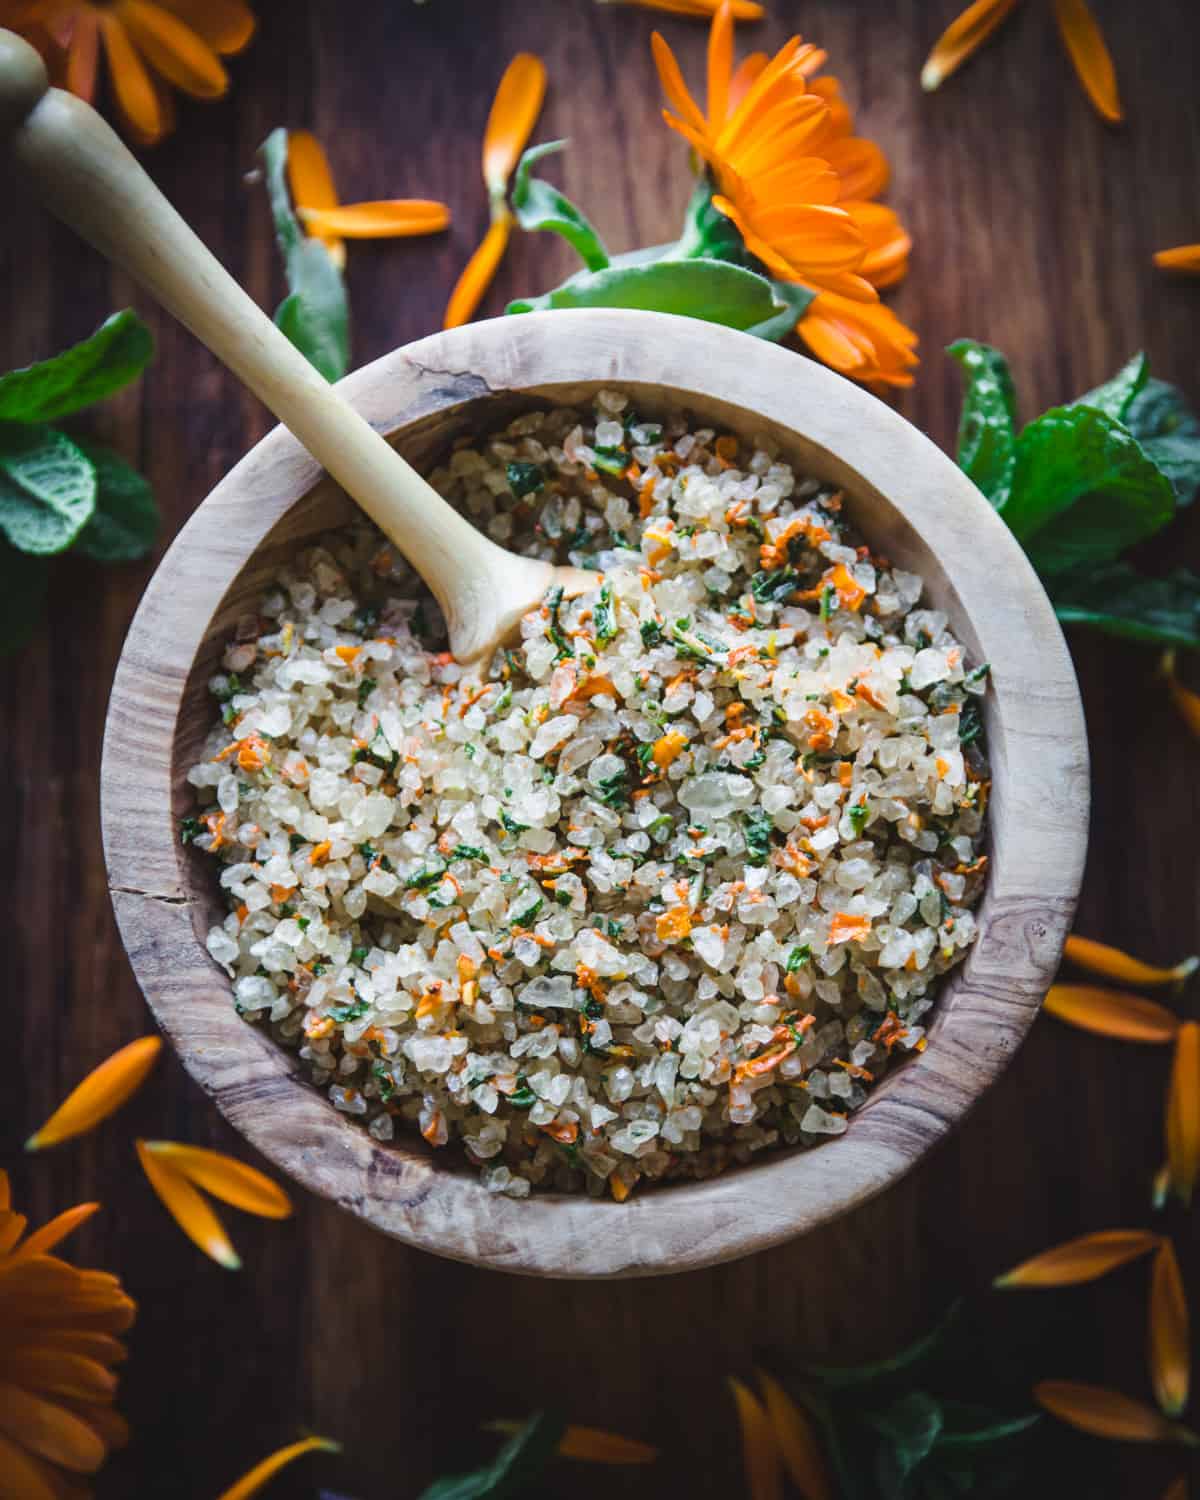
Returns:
(78, 168)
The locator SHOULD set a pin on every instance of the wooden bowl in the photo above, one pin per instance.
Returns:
(910, 501)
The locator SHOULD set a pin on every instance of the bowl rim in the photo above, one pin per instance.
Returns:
(1035, 718)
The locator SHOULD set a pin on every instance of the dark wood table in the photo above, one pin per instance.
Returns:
(1034, 226)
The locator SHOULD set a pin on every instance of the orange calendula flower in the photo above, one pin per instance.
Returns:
(1081, 1260)
(1183, 1113)
(58, 1346)
(1081, 36)
(1181, 258)
(799, 187)
(798, 1446)
(1113, 1013)
(151, 46)
(176, 1172)
(1109, 1414)
(334, 222)
(251, 1483)
(513, 115)
(100, 1094)
(1169, 1333)
(760, 1450)
(1187, 703)
(743, 10)
(1113, 964)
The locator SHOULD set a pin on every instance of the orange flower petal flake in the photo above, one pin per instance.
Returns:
(1181, 258)
(188, 1209)
(173, 49)
(1081, 1260)
(798, 1445)
(49, 1430)
(224, 1177)
(45, 1238)
(142, 106)
(1090, 57)
(1109, 1414)
(226, 25)
(310, 181)
(760, 1450)
(592, 1445)
(1183, 1113)
(1187, 703)
(1111, 1013)
(1113, 964)
(477, 274)
(1169, 1333)
(962, 39)
(673, 925)
(253, 1481)
(514, 113)
(846, 928)
(100, 1094)
(385, 218)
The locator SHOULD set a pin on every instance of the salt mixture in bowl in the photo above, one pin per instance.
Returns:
(672, 882)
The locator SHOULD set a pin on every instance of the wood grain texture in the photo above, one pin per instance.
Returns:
(902, 492)
(1034, 226)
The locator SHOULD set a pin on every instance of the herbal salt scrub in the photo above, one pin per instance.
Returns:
(672, 883)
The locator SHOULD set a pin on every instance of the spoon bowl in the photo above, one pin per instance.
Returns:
(906, 498)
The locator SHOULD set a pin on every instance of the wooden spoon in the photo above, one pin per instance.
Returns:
(75, 164)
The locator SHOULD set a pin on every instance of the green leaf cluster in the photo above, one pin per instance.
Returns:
(518, 1464)
(1084, 483)
(59, 491)
(315, 314)
(707, 273)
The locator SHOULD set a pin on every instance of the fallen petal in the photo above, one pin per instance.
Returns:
(1109, 1414)
(1113, 964)
(1169, 1332)
(188, 1209)
(250, 1483)
(225, 1177)
(1112, 1013)
(100, 1094)
(1081, 1260)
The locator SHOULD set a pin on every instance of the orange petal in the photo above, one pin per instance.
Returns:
(12, 1227)
(1113, 964)
(760, 1451)
(101, 1093)
(513, 115)
(82, 54)
(1109, 1414)
(798, 1445)
(477, 274)
(1084, 1259)
(1113, 1013)
(57, 1229)
(49, 1431)
(1181, 258)
(226, 25)
(139, 102)
(5, 1191)
(108, 1422)
(743, 10)
(720, 66)
(674, 87)
(1183, 1112)
(62, 1373)
(22, 1477)
(744, 75)
(864, 340)
(1169, 1332)
(101, 1347)
(860, 165)
(250, 1484)
(173, 49)
(1186, 702)
(595, 1446)
(1089, 56)
(224, 1177)
(962, 38)
(382, 219)
(188, 1209)
(311, 182)
(1177, 1489)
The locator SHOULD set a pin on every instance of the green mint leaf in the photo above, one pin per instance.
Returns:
(315, 315)
(514, 1469)
(908, 1359)
(708, 289)
(911, 1425)
(1120, 601)
(1166, 426)
(794, 301)
(1113, 398)
(524, 479)
(539, 205)
(708, 234)
(22, 596)
(47, 488)
(758, 828)
(125, 522)
(985, 1429)
(87, 372)
(987, 426)
(1083, 491)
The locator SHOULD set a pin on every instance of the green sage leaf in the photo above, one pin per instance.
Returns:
(708, 289)
(911, 1426)
(514, 1468)
(125, 521)
(22, 596)
(906, 1360)
(1113, 398)
(795, 301)
(540, 205)
(1083, 491)
(315, 315)
(987, 428)
(708, 234)
(87, 372)
(1166, 426)
(1120, 601)
(47, 488)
